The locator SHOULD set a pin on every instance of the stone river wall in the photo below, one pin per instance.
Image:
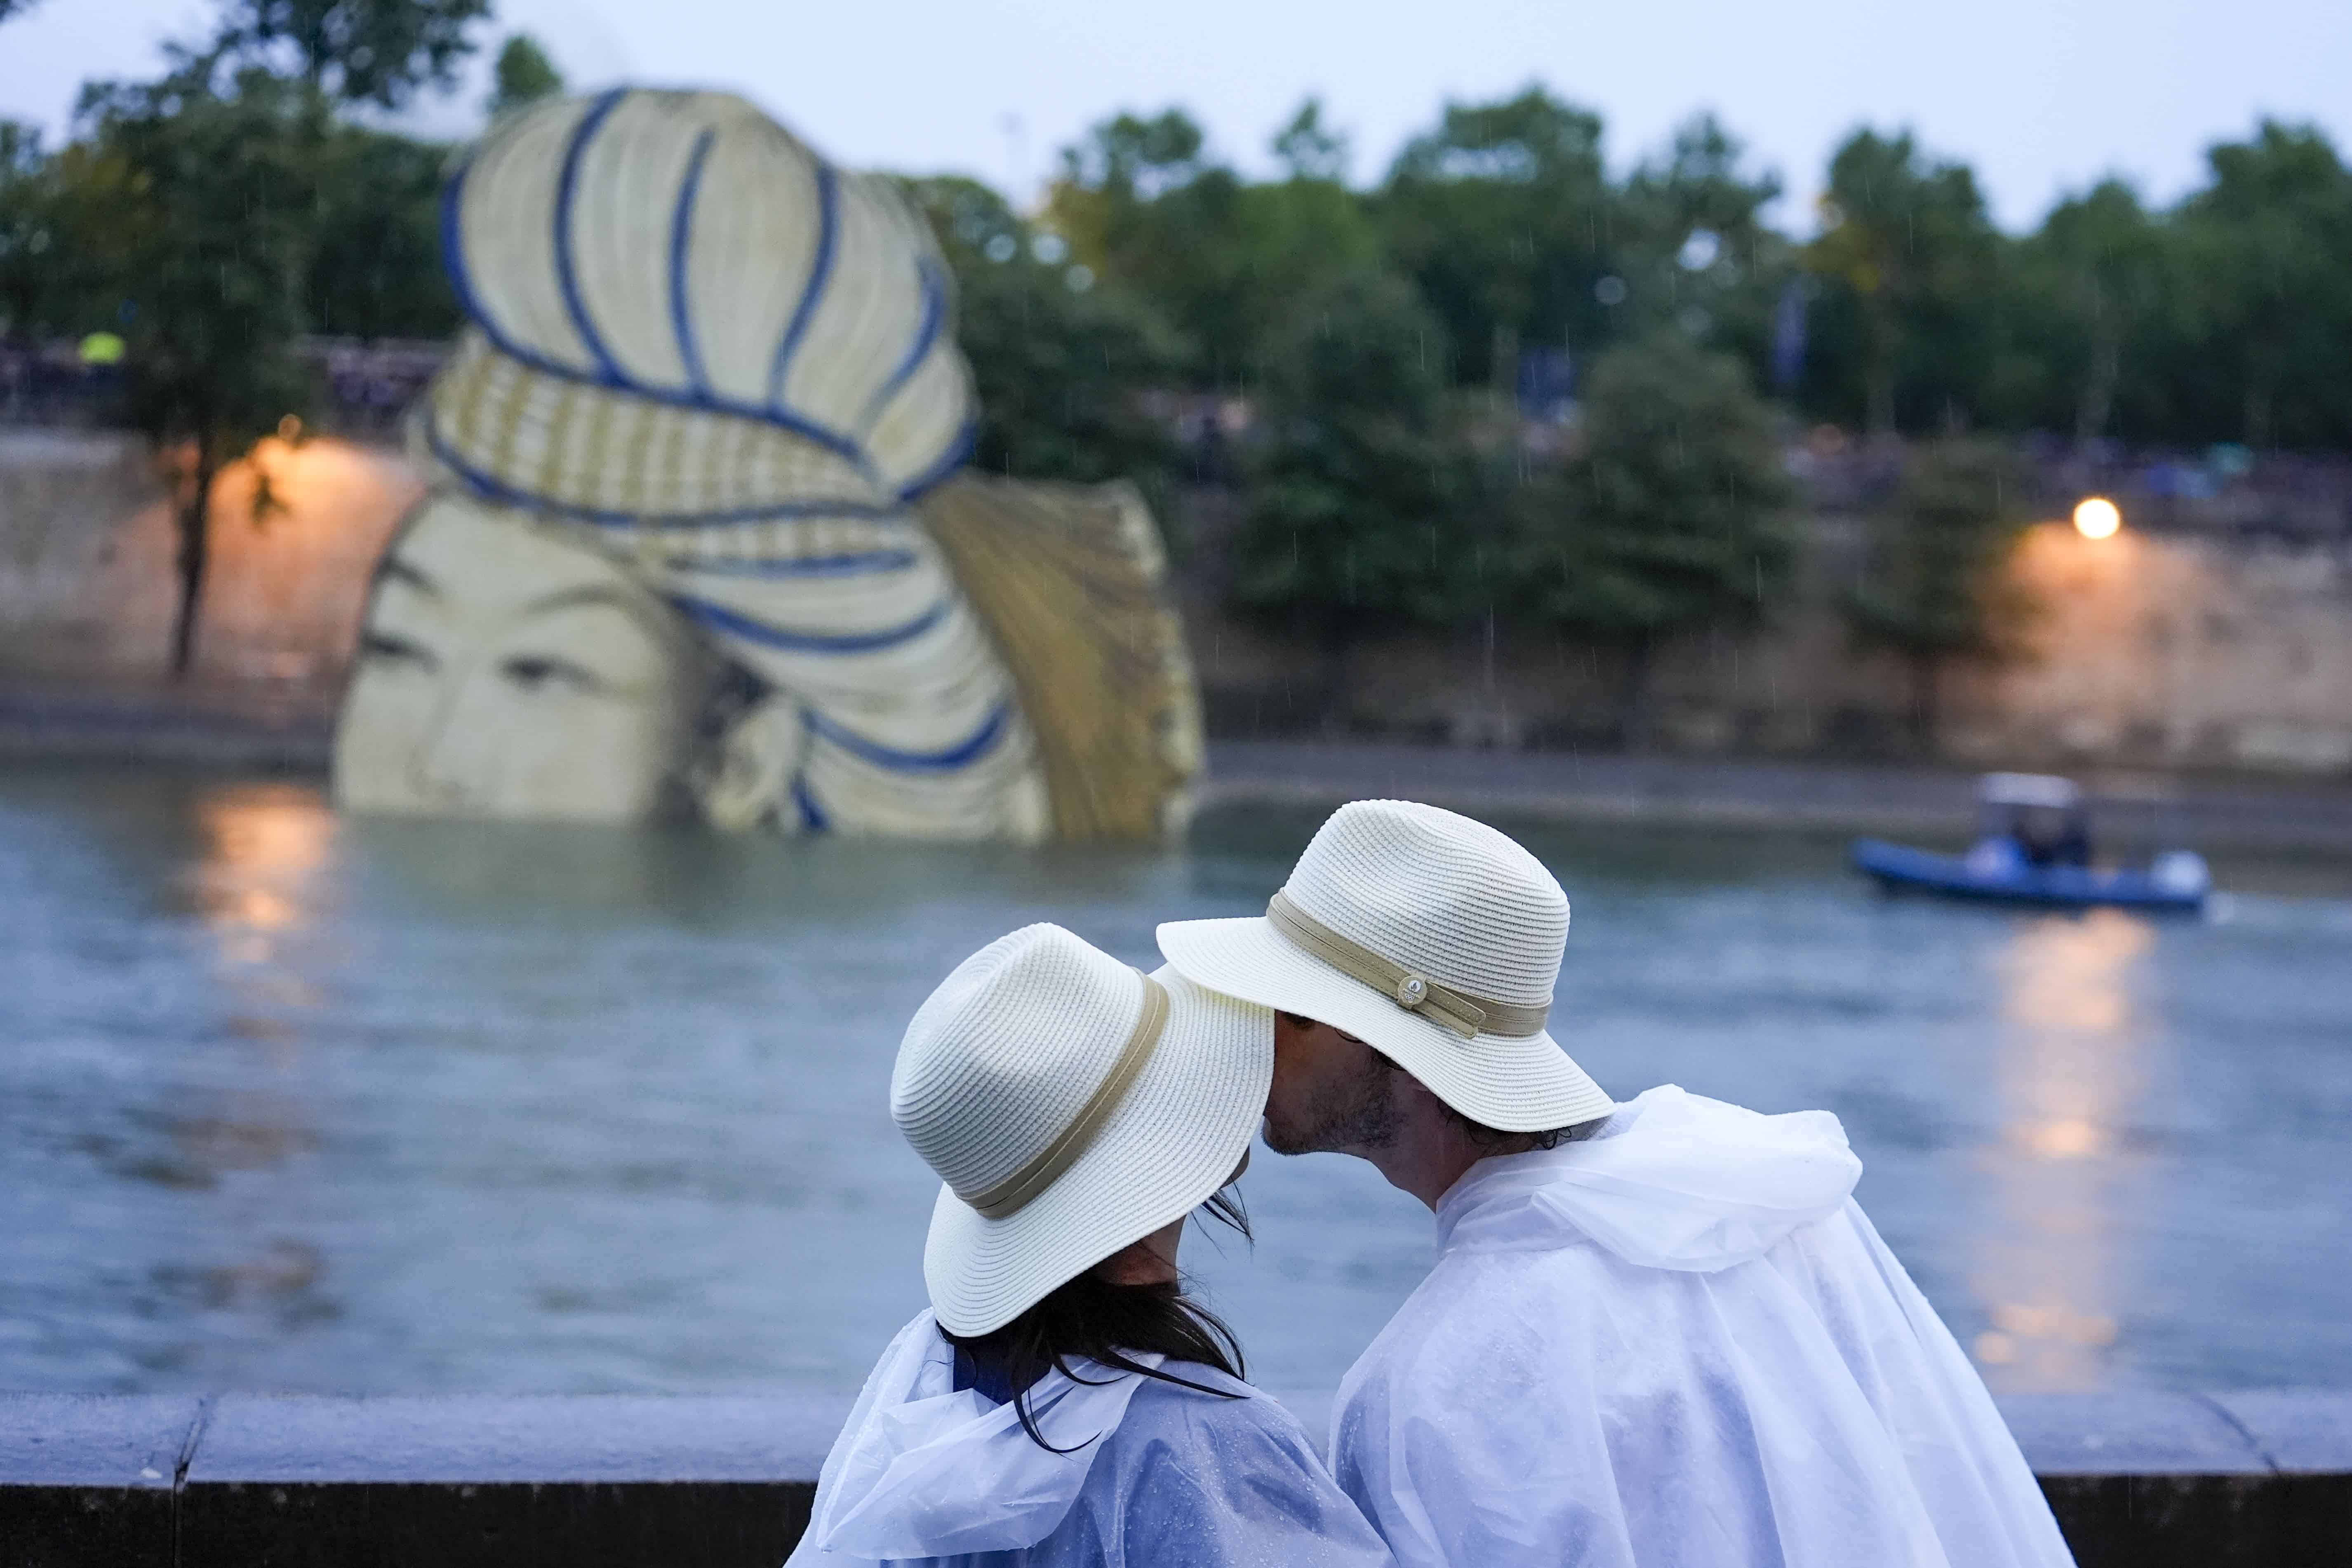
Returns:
(87, 587)
(2213, 634)
(2189, 646)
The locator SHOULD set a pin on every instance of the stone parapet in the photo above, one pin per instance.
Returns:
(2149, 1480)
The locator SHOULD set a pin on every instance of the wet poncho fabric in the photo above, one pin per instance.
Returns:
(1160, 1476)
(1679, 1344)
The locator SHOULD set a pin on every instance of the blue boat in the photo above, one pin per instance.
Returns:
(2036, 849)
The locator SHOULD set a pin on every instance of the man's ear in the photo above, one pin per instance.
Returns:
(752, 765)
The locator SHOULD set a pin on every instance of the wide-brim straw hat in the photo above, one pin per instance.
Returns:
(1434, 939)
(1071, 1105)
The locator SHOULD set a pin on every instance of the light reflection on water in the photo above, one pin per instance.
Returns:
(2072, 1069)
(292, 1102)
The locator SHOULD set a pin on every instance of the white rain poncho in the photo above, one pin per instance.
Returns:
(1679, 1344)
(924, 1473)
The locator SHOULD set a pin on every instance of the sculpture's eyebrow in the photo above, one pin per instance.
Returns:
(647, 614)
(594, 594)
(395, 570)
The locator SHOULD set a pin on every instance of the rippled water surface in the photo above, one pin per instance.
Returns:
(294, 1102)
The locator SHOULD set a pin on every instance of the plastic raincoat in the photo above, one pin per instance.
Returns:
(1161, 1477)
(1679, 1344)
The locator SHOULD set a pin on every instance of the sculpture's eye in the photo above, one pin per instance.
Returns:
(392, 652)
(539, 674)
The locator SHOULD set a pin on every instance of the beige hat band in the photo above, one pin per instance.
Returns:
(1014, 1192)
(1465, 1015)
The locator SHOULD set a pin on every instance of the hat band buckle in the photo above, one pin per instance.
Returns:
(1465, 1015)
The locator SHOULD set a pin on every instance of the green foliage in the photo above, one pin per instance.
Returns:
(376, 268)
(1223, 262)
(1360, 492)
(221, 199)
(524, 75)
(1063, 366)
(1676, 515)
(1911, 261)
(209, 196)
(30, 251)
(218, 213)
(215, 202)
(1693, 248)
(1504, 216)
(2091, 293)
(1310, 149)
(1934, 588)
(377, 52)
(2267, 291)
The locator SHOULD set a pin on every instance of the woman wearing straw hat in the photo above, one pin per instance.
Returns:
(1062, 1401)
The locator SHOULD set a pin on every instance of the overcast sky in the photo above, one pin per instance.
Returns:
(2041, 95)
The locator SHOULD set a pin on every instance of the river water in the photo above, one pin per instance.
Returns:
(293, 1103)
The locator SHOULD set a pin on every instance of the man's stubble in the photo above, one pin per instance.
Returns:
(1357, 1113)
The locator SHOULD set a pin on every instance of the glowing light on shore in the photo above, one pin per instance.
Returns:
(2096, 517)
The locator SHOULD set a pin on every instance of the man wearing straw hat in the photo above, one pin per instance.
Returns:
(1660, 1332)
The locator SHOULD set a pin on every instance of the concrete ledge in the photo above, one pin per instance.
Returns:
(303, 1438)
(2235, 1480)
(2137, 1480)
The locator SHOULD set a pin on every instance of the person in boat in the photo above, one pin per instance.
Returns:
(1063, 1403)
(2038, 817)
(1657, 1333)
(2047, 835)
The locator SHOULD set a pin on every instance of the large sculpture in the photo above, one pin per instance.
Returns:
(697, 536)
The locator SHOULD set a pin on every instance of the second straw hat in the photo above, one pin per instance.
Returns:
(1434, 939)
(1071, 1105)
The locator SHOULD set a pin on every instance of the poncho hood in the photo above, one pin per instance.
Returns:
(1676, 1181)
(924, 1469)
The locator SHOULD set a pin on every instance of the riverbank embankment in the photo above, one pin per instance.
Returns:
(2136, 810)
(2211, 636)
(2260, 1479)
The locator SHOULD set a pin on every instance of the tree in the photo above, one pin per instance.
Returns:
(214, 198)
(1360, 494)
(1310, 149)
(211, 181)
(28, 227)
(375, 264)
(1675, 516)
(375, 52)
(2094, 280)
(524, 75)
(1139, 205)
(2264, 245)
(1504, 216)
(1224, 262)
(1934, 586)
(1693, 248)
(1061, 361)
(1905, 247)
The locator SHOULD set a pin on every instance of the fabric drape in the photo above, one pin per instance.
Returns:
(1161, 1477)
(1680, 1344)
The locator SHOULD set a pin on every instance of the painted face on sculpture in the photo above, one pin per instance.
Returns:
(507, 670)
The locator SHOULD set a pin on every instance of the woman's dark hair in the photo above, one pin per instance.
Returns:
(1090, 1319)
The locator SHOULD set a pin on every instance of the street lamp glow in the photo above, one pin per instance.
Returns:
(2097, 518)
